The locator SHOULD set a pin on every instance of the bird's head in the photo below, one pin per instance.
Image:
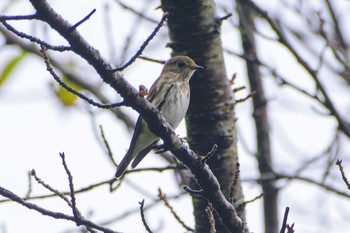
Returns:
(182, 65)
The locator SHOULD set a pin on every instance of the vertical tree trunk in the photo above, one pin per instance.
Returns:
(194, 30)
(260, 116)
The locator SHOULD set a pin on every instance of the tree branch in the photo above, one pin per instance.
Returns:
(57, 215)
(156, 122)
(343, 125)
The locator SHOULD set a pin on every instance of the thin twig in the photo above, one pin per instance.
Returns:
(211, 153)
(109, 151)
(141, 15)
(332, 45)
(57, 215)
(76, 212)
(143, 216)
(29, 185)
(17, 17)
(277, 176)
(250, 95)
(250, 201)
(285, 218)
(106, 182)
(341, 169)
(82, 21)
(60, 48)
(132, 211)
(51, 189)
(338, 31)
(176, 216)
(70, 89)
(151, 59)
(343, 125)
(145, 43)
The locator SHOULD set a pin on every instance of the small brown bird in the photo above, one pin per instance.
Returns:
(171, 94)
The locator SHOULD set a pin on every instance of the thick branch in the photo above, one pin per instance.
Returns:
(148, 111)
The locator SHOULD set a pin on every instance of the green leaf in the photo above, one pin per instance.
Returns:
(10, 67)
(68, 99)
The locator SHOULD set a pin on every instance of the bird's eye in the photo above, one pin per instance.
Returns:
(181, 64)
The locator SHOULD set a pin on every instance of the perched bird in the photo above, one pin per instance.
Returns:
(171, 94)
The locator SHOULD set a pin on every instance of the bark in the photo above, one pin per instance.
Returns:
(194, 30)
(260, 116)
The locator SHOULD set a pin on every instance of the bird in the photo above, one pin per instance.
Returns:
(170, 93)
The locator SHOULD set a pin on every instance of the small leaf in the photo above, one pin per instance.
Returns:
(10, 67)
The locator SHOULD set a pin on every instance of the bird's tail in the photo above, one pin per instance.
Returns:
(124, 164)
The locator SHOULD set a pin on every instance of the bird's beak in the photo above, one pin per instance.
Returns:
(197, 67)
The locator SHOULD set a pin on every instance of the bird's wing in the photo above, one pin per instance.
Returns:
(160, 87)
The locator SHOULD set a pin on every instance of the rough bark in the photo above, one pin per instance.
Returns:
(194, 30)
(260, 115)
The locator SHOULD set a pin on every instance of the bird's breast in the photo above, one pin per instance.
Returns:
(176, 103)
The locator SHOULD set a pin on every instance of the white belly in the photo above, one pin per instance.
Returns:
(175, 107)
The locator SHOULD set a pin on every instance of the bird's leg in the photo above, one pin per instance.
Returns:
(160, 148)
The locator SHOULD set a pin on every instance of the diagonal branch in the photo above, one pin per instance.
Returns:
(343, 125)
(156, 122)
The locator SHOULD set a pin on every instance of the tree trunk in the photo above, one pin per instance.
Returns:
(194, 30)
(260, 116)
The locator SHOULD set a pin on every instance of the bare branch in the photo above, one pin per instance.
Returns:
(109, 151)
(277, 176)
(17, 17)
(285, 219)
(143, 216)
(145, 43)
(341, 169)
(70, 89)
(136, 12)
(60, 48)
(72, 76)
(83, 20)
(57, 215)
(48, 187)
(76, 212)
(151, 59)
(250, 95)
(156, 122)
(343, 125)
(176, 216)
